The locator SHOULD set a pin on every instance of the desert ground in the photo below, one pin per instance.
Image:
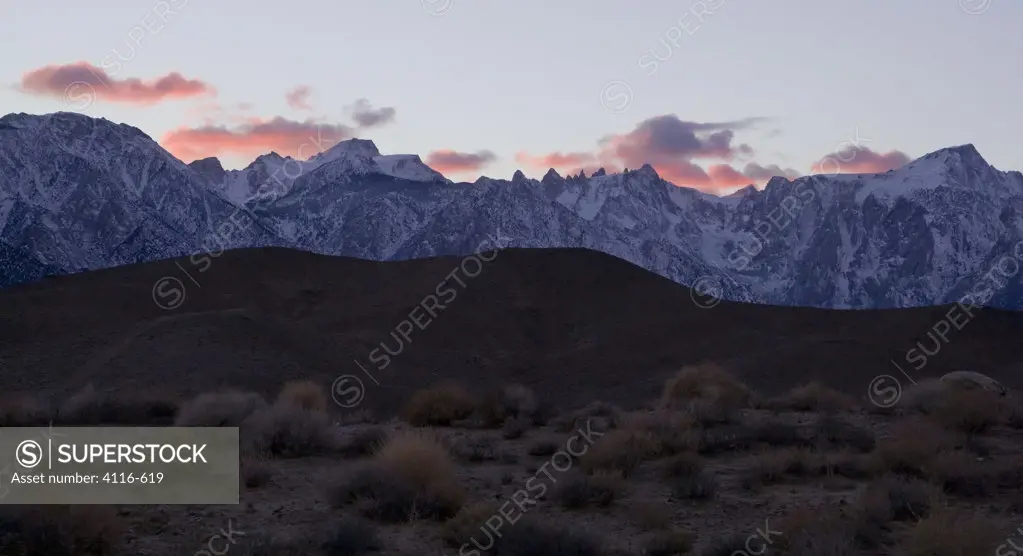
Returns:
(561, 403)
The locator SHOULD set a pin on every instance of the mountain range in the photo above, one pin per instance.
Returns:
(78, 193)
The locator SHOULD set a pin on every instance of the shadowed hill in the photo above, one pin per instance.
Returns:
(575, 325)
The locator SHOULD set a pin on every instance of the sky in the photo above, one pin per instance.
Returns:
(715, 94)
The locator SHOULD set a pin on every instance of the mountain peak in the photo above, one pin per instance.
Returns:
(271, 156)
(358, 147)
(519, 177)
(551, 174)
(647, 170)
(965, 154)
(209, 167)
(742, 192)
(599, 172)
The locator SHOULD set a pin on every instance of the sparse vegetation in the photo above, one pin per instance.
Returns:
(699, 445)
(303, 394)
(579, 491)
(467, 524)
(969, 411)
(708, 384)
(228, 408)
(256, 471)
(702, 486)
(352, 537)
(620, 451)
(816, 396)
(912, 447)
(88, 407)
(60, 530)
(439, 406)
(412, 477)
(288, 432)
(952, 533)
(513, 401)
(363, 443)
(24, 411)
(531, 537)
(670, 543)
(895, 498)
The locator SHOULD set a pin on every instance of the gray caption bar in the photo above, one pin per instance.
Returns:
(119, 465)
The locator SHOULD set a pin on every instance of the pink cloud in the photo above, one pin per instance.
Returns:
(558, 161)
(283, 136)
(58, 80)
(446, 160)
(860, 160)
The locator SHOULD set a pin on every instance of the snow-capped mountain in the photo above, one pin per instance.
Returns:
(77, 193)
(271, 176)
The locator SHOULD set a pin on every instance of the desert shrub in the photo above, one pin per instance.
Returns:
(411, 477)
(912, 447)
(467, 524)
(840, 433)
(711, 413)
(439, 406)
(1013, 414)
(514, 428)
(303, 394)
(773, 467)
(683, 465)
(87, 407)
(960, 474)
(895, 498)
(256, 470)
(620, 450)
(60, 530)
(351, 537)
(969, 411)
(363, 443)
(357, 417)
(923, 396)
(951, 533)
(702, 486)
(512, 401)
(725, 439)
(675, 432)
(779, 434)
(227, 408)
(816, 396)
(476, 449)
(288, 432)
(806, 533)
(531, 537)
(578, 490)
(669, 543)
(600, 416)
(706, 383)
(849, 465)
(24, 411)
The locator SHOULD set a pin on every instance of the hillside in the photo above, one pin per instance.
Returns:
(575, 325)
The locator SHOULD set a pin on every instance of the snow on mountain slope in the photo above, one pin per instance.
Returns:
(407, 167)
(271, 176)
(77, 193)
(82, 194)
